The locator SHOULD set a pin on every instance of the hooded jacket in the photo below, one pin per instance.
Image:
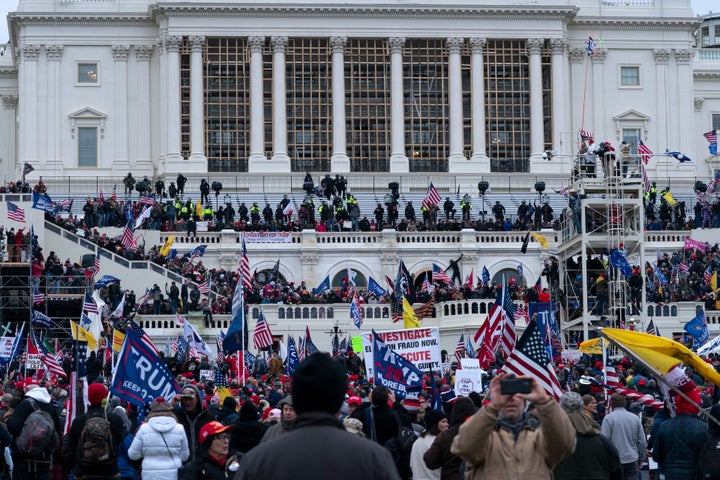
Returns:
(162, 445)
(192, 422)
(17, 419)
(595, 457)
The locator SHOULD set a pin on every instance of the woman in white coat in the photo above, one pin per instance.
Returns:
(161, 443)
(435, 422)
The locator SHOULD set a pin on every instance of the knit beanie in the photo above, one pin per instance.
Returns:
(571, 402)
(318, 385)
(432, 418)
(160, 408)
(97, 392)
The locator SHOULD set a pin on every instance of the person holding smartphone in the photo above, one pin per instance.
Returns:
(500, 441)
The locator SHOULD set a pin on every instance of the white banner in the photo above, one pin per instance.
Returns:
(266, 237)
(421, 346)
(468, 380)
(34, 361)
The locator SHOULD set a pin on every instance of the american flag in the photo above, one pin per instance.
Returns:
(425, 310)
(426, 285)
(204, 287)
(79, 355)
(37, 296)
(708, 273)
(113, 196)
(460, 348)
(565, 191)
(439, 275)
(27, 168)
(15, 213)
(432, 197)
(585, 135)
(651, 330)
(140, 334)
(127, 240)
(711, 136)
(96, 266)
(89, 304)
(644, 152)
(198, 251)
(521, 313)
(49, 359)
(646, 181)
(682, 267)
(102, 197)
(530, 358)
(508, 334)
(148, 200)
(245, 268)
(396, 309)
(301, 348)
(262, 337)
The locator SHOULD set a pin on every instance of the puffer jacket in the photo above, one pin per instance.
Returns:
(678, 444)
(162, 445)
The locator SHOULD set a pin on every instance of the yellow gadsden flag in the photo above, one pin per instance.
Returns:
(591, 347)
(660, 353)
(411, 320)
(118, 339)
(79, 333)
(165, 250)
(540, 239)
(669, 198)
(198, 209)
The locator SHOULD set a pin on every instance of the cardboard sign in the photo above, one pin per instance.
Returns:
(421, 346)
(207, 375)
(468, 380)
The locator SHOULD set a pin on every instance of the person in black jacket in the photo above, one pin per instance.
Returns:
(319, 385)
(97, 392)
(191, 415)
(181, 179)
(204, 191)
(248, 430)
(27, 467)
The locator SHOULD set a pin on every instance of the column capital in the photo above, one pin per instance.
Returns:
(143, 52)
(698, 103)
(600, 55)
(279, 44)
(534, 46)
(477, 44)
(454, 44)
(196, 42)
(684, 56)
(558, 46)
(54, 51)
(256, 44)
(577, 55)
(30, 51)
(9, 101)
(396, 44)
(662, 55)
(172, 43)
(121, 52)
(338, 44)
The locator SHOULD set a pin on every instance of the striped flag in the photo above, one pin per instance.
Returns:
(396, 309)
(708, 274)
(682, 267)
(15, 213)
(37, 296)
(432, 197)
(521, 313)
(262, 337)
(245, 268)
(585, 135)
(50, 360)
(646, 181)
(127, 240)
(301, 348)
(530, 358)
(460, 348)
(142, 335)
(439, 275)
(644, 152)
(96, 266)
(425, 310)
(204, 287)
(89, 304)
(148, 200)
(113, 195)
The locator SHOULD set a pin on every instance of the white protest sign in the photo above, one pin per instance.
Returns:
(468, 380)
(34, 361)
(421, 346)
(6, 344)
(207, 375)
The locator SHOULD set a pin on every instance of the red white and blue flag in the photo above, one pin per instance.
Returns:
(644, 152)
(262, 337)
(15, 213)
(432, 197)
(439, 275)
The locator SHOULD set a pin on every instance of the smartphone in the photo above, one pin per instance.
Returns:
(511, 386)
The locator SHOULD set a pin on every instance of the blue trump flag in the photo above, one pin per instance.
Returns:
(42, 201)
(292, 359)
(618, 260)
(140, 375)
(237, 335)
(323, 287)
(393, 371)
(698, 329)
(375, 288)
(105, 280)
(485, 275)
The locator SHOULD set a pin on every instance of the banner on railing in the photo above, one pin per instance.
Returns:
(421, 346)
(266, 237)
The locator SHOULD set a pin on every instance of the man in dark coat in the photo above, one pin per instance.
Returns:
(318, 392)
(191, 415)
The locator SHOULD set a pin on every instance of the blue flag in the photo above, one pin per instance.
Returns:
(697, 328)
(140, 375)
(547, 325)
(105, 280)
(618, 260)
(485, 275)
(16, 347)
(292, 359)
(375, 288)
(40, 320)
(393, 371)
(355, 312)
(437, 403)
(323, 287)
(42, 201)
(249, 359)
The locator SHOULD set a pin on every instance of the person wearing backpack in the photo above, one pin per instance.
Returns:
(708, 465)
(35, 426)
(91, 448)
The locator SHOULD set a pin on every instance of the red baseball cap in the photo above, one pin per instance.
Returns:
(354, 400)
(213, 428)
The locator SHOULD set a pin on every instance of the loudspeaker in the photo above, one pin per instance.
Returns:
(88, 260)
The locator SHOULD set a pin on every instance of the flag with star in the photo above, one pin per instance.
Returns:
(221, 386)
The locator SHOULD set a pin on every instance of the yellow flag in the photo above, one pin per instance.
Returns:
(198, 209)
(591, 347)
(411, 320)
(540, 239)
(660, 352)
(165, 250)
(79, 333)
(118, 339)
(669, 198)
(713, 282)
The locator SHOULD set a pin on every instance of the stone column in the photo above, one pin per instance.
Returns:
(662, 56)
(174, 159)
(280, 159)
(142, 161)
(29, 133)
(197, 112)
(53, 144)
(257, 159)
(163, 120)
(121, 162)
(683, 59)
(340, 163)
(537, 137)
(480, 159)
(561, 163)
(9, 167)
(398, 160)
(457, 162)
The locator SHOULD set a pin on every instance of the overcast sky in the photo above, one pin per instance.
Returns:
(700, 7)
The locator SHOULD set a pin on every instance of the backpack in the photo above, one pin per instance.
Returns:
(96, 446)
(38, 433)
(708, 466)
(400, 446)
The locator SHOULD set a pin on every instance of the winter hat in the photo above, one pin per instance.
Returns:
(354, 426)
(248, 412)
(683, 406)
(274, 414)
(97, 392)
(433, 417)
(677, 377)
(588, 399)
(160, 408)
(318, 385)
(229, 403)
(571, 402)
(210, 430)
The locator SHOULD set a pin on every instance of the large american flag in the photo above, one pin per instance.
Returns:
(708, 273)
(244, 268)
(508, 332)
(89, 304)
(15, 213)
(96, 266)
(37, 296)
(644, 152)
(460, 348)
(432, 197)
(204, 287)
(49, 359)
(646, 181)
(127, 240)
(711, 136)
(530, 358)
(140, 334)
(262, 337)
(439, 275)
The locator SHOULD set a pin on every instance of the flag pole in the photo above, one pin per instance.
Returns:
(659, 375)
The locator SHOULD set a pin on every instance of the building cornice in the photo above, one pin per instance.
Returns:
(690, 24)
(707, 75)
